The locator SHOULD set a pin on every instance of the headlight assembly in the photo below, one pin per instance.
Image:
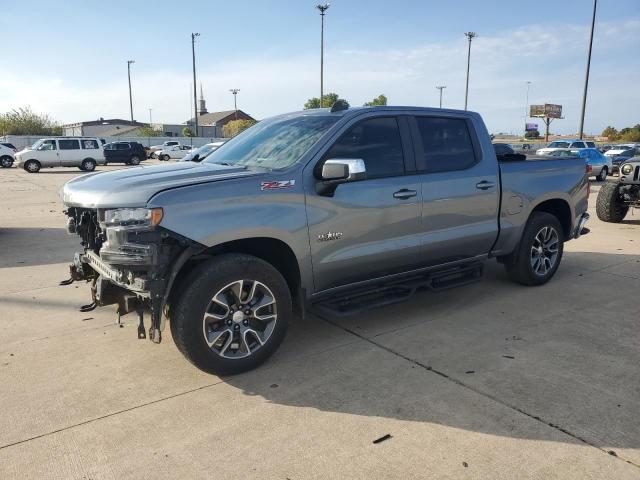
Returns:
(626, 169)
(133, 217)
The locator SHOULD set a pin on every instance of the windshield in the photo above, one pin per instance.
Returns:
(36, 145)
(559, 145)
(275, 143)
(202, 151)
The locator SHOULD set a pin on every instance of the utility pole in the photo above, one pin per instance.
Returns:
(586, 77)
(526, 107)
(470, 36)
(441, 87)
(235, 91)
(195, 95)
(323, 7)
(150, 121)
(129, 62)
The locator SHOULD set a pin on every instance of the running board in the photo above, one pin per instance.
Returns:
(363, 299)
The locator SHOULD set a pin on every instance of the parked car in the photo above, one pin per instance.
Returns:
(601, 165)
(176, 151)
(153, 149)
(564, 145)
(6, 155)
(129, 153)
(337, 209)
(9, 145)
(619, 155)
(199, 154)
(615, 199)
(84, 153)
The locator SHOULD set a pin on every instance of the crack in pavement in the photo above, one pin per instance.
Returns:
(478, 391)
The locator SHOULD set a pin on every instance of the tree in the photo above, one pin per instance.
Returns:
(148, 131)
(186, 132)
(234, 127)
(532, 134)
(631, 134)
(23, 121)
(380, 100)
(328, 99)
(610, 132)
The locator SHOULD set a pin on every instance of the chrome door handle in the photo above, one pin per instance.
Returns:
(484, 185)
(404, 194)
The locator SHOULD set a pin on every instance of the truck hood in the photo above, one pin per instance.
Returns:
(133, 187)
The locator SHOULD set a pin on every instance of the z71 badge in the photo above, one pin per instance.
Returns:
(277, 185)
(326, 237)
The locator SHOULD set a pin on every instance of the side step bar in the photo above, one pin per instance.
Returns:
(360, 300)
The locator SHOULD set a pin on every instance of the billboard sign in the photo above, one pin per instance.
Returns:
(531, 127)
(547, 110)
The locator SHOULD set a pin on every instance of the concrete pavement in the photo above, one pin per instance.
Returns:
(492, 380)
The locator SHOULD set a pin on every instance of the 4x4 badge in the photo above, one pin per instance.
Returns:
(276, 185)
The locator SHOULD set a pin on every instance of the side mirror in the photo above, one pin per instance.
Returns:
(340, 170)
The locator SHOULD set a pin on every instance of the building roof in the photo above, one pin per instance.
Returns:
(105, 121)
(214, 117)
(117, 131)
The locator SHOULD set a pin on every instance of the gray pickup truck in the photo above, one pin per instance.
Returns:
(337, 209)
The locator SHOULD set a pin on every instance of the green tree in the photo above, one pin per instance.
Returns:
(234, 127)
(610, 132)
(630, 134)
(532, 134)
(186, 132)
(328, 99)
(148, 131)
(380, 100)
(23, 121)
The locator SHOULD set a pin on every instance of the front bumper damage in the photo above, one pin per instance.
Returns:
(133, 267)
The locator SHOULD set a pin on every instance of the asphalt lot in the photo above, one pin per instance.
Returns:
(492, 380)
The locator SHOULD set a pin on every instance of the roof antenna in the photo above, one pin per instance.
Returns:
(339, 105)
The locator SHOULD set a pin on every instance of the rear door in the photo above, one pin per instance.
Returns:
(123, 152)
(460, 189)
(367, 228)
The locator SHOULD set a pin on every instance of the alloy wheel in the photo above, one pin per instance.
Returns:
(544, 251)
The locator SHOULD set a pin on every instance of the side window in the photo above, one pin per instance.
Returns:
(48, 145)
(88, 144)
(577, 145)
(69, 144)
(377, 142)
(446, 144)
(591, 145)
(122, 146)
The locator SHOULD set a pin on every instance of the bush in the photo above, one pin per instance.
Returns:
(234, 127)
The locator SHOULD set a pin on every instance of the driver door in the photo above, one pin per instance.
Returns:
(48, 154)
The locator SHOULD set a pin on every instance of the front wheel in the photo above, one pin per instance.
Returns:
(538, 256)
(609, 206)
(134, 160)
(164, 158)
(32, 166)
(232, 315)
(603, 174)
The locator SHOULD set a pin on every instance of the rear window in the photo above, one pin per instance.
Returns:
(446, 144)
(69, 144)
(89, 144)
(122, 146)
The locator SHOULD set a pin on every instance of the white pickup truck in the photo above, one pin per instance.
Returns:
(153, 149)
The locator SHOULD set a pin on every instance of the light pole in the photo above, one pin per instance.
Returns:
(470, 36)
(129, 62)
(323, 7)
(150, 122)
(441, 87)
(586, 77)
(235, 91)
(526, 107)
(195, 99)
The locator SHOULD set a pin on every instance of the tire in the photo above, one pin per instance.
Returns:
(609, 207)
(134, 160)
(164, 158)
(224, 326)
(88, 165)
(32, 166)
(602, 177)
(152, 155)
(521, 266)
(6, 161)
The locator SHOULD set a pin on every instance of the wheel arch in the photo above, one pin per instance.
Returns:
(560, 209)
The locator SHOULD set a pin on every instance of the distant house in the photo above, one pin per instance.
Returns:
(100, 127)
(217, 120)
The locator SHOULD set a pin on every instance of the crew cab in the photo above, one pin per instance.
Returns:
(564, 145)
(332, 210)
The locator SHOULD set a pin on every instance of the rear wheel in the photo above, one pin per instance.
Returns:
(609, 205)
(134, 160)
(32, 166)
(88, 165)
(603, 174)
(6, 161)
(164, 157)
(233, 315)
(539, 253)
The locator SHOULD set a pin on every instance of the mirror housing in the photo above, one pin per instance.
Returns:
(340, 170)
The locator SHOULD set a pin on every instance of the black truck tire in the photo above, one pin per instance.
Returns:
(521, 265)
(6, 161)
(609, 207)
(211, 335)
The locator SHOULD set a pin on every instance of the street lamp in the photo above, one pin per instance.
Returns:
(441, 87)
(470, 36)
(526, 107)
(195, 100)
(129, 62)
(235, 91)
(586, 77)
(323, 7)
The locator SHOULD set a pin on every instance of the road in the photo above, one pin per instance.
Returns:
(492, 380)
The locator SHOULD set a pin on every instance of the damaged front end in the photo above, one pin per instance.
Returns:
(129, 259)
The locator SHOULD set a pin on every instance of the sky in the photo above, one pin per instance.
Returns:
(69, 61)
